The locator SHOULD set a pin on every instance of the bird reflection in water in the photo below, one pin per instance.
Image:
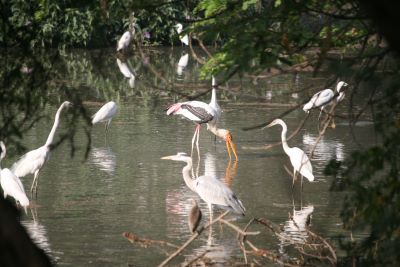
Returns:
(295, 229)
(38, 233)
(183, 62)
(326, 149)
(127, 71)
(104, 159)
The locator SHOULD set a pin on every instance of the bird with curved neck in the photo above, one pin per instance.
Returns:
(33, 161)
(11, 184)
(298, 158)
(185, 38)
(209, 188)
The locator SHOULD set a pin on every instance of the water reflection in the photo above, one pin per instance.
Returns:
(183, 61)
(104, 159)
(326, 149)
(127, 71)
(38, 233)
(295, 229)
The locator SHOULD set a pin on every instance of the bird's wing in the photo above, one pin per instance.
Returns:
(323, 97)
(185, 39)
(30, 162)
(124, 40)
(12, 187)
(203, 114)
(105, 112)
(214, 191)
(301, 163)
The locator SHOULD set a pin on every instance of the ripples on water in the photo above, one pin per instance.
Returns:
(84, 206)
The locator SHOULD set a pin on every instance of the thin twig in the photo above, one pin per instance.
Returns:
(237, 229)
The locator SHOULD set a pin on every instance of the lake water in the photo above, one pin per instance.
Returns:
(84, 206)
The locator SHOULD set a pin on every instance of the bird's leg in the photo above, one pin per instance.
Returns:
(197, 141)
(302, 183)
(193, 139)
(35, 177)
(294, 177)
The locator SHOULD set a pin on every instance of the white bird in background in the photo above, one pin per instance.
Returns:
(200, 112)
(105, 113)
(127, 72)
(33, 161)
(324, 98)
(298, 158)
(183, 61)
(126, 38)
(209, 188)
(11, 184)
(184, 39)
(214, 104)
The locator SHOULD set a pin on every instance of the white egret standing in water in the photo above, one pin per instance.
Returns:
(298, 158)
(105, 113)
(184, 39)
(200, 112)
(11, 184)
(33, 161)
(209, 188)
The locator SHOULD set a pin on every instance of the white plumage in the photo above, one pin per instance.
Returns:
(214, 104)
(124, 41)
(300, 162)
(105, 113)
(183, 61)
(324, 98)
(210, 189)
(11, 184)
(33, 161)
(185, 38)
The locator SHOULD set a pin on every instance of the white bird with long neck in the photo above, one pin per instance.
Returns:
(200, 112)
(125, 40)
(209, 188)
(214, 104)
(298, 158)
(11, 184)
(33, 161)
(185, 38)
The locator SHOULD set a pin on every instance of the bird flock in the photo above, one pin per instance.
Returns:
(209, 188)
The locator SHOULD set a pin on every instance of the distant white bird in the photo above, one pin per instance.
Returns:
(324, 98)
(33, 161)
(126, 38)
(298, 158)
(11, 184)
(183, 61)
(209, 188)
(184, 39)
(105, 113)
(214, 104)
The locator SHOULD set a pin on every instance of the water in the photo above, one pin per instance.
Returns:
(84, 206)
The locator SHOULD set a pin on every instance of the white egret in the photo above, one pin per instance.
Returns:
(194, 216)
(209, 188)
(298, 158)
(185, 38)
(11, 184)
(200, 112)
(126, 38)
(324, 98)
(33, 161)
(213, 103)
(105, 113)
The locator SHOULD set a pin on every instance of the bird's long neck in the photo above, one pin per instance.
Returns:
(186, 174)
(213, 96)
(218, 132)
(286, 148)
(55, 125)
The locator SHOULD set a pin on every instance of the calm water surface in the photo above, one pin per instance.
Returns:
(83, 206)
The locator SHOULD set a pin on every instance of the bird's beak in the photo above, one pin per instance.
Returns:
(269, 125)
(230, 145)
(167, 157)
